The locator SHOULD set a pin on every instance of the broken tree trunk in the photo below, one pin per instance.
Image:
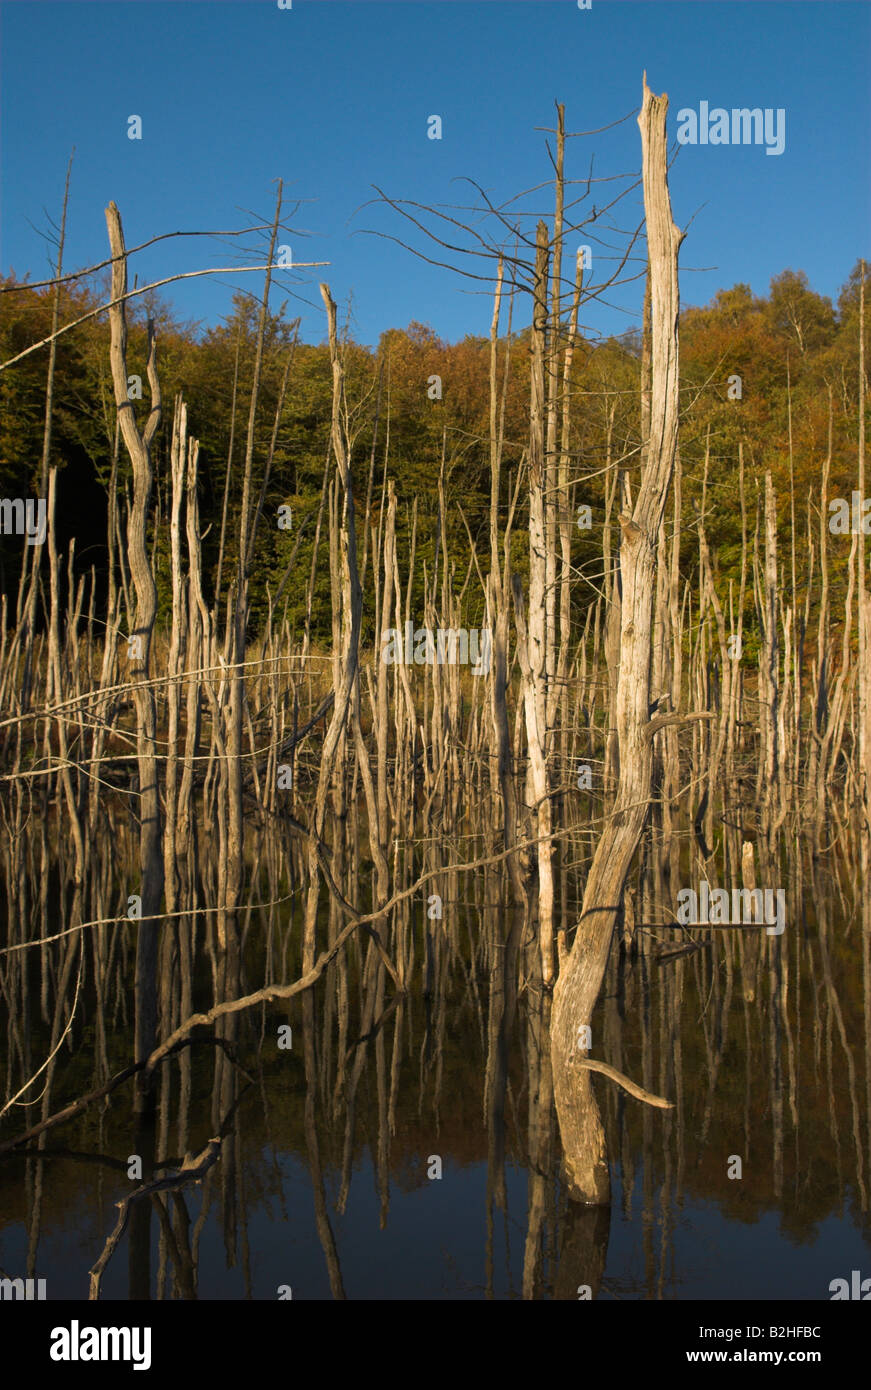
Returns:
(534, 661)
(582, 970)
(345, 668)
(139, 448)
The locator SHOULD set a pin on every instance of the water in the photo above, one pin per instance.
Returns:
(327, 1180)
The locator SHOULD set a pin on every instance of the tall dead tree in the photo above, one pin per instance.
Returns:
(501, 779)
(25, 626)
(139, 448)
(237, 620)
(864, 703)
(582, 969)
(533, 657)
(769, 694)
(347, 597)
(864, 615)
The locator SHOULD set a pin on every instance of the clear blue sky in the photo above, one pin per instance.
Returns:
(334, 97)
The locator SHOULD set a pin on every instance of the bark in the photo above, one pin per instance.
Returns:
(138, 447)
(231, 883)
(864, 692)
(227, 479)
(553, 499)
(26, 625)
(535, 662)
(345, 673)
(176, 653)
(769, 693)
(581, 975)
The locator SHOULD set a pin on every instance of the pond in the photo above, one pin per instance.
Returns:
(382, 1144)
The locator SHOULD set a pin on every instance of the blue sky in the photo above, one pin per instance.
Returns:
(334, 97)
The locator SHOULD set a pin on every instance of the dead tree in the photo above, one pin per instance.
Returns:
(583, 968)
(139, 447)
(534, 658)
(347, 595)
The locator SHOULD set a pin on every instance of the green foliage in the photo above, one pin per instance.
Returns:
(792, 348)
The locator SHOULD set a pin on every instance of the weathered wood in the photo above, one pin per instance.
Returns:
(138, 447)
(237, 625)
(534, 660)
(864, 691)
(346, 659)
(193, 1169)
(579, 982)
(769, 692)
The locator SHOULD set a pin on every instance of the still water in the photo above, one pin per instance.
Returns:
(383, 1152)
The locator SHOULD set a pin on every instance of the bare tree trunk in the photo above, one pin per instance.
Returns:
(582, 971)
(217, 604)
(232, 870)
(382, 711)
(671, 781)
(176, 654)
(346, 671)
(552, 498)
(535, 664)
(864, 702)
(565, 536)
(198, 646)
(138, 447)
(611, 625)
(864, 615)
(769, 670)
(36, 557)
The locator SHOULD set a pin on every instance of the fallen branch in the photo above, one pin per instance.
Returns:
(70, 1111)
(155, 285)
(192, 1170)
(289, 744)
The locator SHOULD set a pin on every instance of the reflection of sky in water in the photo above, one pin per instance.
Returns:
(434, 1246)
(708, 1238)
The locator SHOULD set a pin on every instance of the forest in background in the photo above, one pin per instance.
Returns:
(794, 352)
